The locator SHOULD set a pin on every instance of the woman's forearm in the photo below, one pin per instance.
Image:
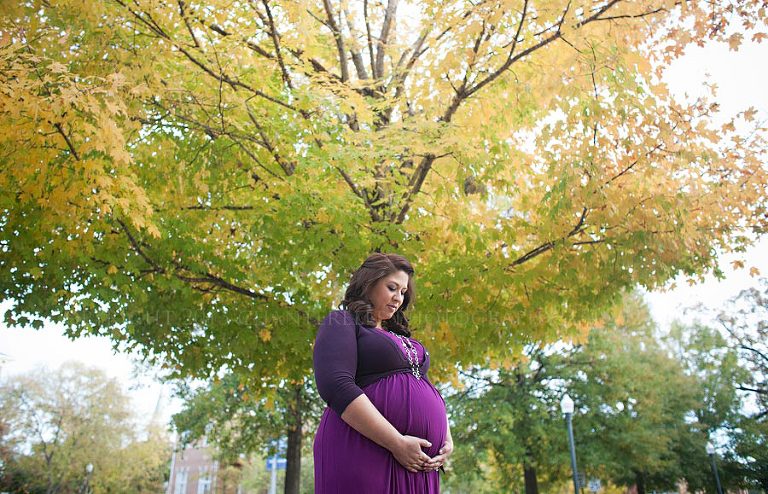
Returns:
(362, 416)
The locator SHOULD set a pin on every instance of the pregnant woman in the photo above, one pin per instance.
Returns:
(385, 430)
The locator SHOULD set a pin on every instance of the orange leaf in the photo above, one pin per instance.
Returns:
(734, 41)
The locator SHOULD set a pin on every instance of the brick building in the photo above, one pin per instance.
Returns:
(195, 471)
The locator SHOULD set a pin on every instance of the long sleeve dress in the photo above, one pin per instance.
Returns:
(351, 359)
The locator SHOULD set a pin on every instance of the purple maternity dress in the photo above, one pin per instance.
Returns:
(349, 360)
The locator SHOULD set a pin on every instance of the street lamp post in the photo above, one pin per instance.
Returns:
(566, 405)
(85, 488)
(711, 453)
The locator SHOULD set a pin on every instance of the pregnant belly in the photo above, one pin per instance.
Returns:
(413, 407)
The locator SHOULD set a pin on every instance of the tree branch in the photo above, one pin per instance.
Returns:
(401, 76)
(578, 228)
(234, 83)
(415, 183)
(632, 165)
(754, 350)
(287, 167)
(198, 278)
(357, 57)
(760, 391)
(636, 16)
(183, 15)
(369, 38)
(201, 207)
(71, 147)
(337, 36)
(276, 41)
(361, 194)
(216, 133)
(541, 44)
(250, 44)
(389, 17)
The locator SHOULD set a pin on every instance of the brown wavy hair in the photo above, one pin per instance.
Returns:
(357, 301)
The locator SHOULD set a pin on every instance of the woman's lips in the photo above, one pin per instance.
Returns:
(393, 307)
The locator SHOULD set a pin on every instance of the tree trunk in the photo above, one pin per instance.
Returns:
(293, 452)
(531, 484)
(640, 482)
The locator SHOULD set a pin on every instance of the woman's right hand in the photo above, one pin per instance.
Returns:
(409, 454)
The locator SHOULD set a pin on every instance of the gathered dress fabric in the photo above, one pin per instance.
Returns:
(351, 359)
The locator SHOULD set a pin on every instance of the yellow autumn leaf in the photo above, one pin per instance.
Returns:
(112, 269)
(265, 335)
(737, 264)
(753, 272)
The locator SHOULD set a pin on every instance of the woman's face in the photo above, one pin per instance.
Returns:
(387, 295)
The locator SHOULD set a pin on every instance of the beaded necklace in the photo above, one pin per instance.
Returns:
(411, 353)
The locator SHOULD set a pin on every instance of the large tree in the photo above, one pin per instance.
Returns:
(199, 177)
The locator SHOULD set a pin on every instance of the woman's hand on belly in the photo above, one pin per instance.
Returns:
(438, 461)
(409, 454)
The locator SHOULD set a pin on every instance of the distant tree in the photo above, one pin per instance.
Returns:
(632, 404)
(57, 422)
(728, 353)
(241, 415)
(745, 321)
(750, 453)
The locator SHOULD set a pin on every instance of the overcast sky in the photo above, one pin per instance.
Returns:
(741, 78)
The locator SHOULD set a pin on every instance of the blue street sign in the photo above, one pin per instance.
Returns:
(276, 463)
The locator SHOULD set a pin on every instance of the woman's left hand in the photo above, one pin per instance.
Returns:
(442, 456)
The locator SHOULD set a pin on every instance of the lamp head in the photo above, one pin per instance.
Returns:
(566, 404)
(89, 468)
(710, 448)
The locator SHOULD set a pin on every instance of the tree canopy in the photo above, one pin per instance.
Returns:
(198, 179)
